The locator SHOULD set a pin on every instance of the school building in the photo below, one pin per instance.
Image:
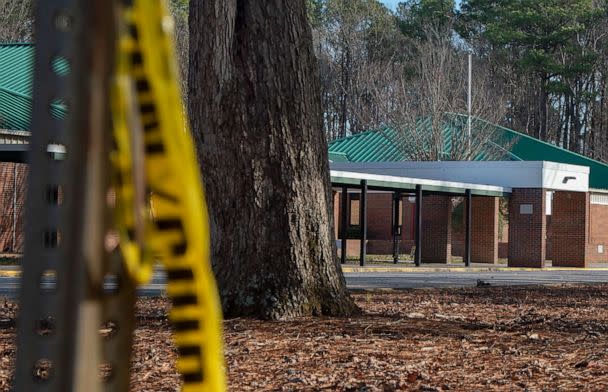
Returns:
(537, 204)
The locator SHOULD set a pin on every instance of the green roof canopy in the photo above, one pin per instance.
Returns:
(16, 78)
(383, 146)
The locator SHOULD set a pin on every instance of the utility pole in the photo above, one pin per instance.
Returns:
(14, 239)
(469, 107)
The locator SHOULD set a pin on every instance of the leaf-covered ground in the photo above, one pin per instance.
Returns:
(482, 339)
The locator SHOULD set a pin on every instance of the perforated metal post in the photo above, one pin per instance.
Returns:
(62, 303)
(52, 275)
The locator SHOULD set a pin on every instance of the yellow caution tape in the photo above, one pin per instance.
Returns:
(172, 224)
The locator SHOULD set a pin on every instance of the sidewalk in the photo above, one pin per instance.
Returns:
(13, 271)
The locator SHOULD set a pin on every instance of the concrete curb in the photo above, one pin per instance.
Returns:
(464, 269)
(17, 273)
(395, 290)
(10, 273)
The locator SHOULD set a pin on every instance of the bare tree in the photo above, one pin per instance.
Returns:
(179, 10)
(12, 194)
(423, 103)
(16, 21)
(352, 35)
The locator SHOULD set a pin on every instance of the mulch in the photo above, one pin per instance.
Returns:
(474, 339)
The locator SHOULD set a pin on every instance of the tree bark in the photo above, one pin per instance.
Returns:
(254, 103)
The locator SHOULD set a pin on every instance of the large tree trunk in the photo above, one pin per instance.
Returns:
(256, 115)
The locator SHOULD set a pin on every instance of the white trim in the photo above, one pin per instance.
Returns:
(419, 181)
(508, 174)
(599, 199)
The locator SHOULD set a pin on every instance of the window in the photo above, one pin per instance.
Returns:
(400, 212)
(354, 209)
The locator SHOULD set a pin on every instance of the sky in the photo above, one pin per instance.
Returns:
(392, 4)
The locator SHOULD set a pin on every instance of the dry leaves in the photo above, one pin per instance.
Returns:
(518, 338)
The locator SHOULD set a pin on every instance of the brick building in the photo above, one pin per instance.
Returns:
(16, 74)
(547, 210)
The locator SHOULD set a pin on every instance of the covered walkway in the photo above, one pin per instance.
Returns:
(434, 193)
(550, 208)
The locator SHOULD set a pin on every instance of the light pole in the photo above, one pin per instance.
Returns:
(469, 106)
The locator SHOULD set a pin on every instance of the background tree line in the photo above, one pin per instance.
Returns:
(540, 66)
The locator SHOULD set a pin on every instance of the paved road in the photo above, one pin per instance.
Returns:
(9, 286)
(404, 280)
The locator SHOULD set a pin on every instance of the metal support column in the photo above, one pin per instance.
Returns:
(344, 222)
(363, 222)
(14, 236)
(468, 216)
(52, 275)
(418, 254)
(396, 226)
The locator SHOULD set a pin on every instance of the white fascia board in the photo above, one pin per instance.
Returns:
(598, 191)
(506, 174)
(562, 177)
(412, 182)
(502, 174)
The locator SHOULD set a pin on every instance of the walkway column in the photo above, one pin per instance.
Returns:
(437, 229)
(396, 225)
(343, 224)
(468, 217)
(419, 200)
(363, 222)
(527, 228)
(570, 229)
(484, 229)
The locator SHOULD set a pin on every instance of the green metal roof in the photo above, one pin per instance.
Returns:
(16, 78)
(384, 146)
(338, 157)
(370, 146)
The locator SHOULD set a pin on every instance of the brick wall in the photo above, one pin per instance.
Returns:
(503, 250)
(408, 231)
(436, 229)
(598, 233)
(7, 216)
(457, 244)
(484, 230)
(569, 234)
(385, 247)
(379, 216)
(527, 232)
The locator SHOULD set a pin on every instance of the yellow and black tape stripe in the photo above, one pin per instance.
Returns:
(176, 228)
